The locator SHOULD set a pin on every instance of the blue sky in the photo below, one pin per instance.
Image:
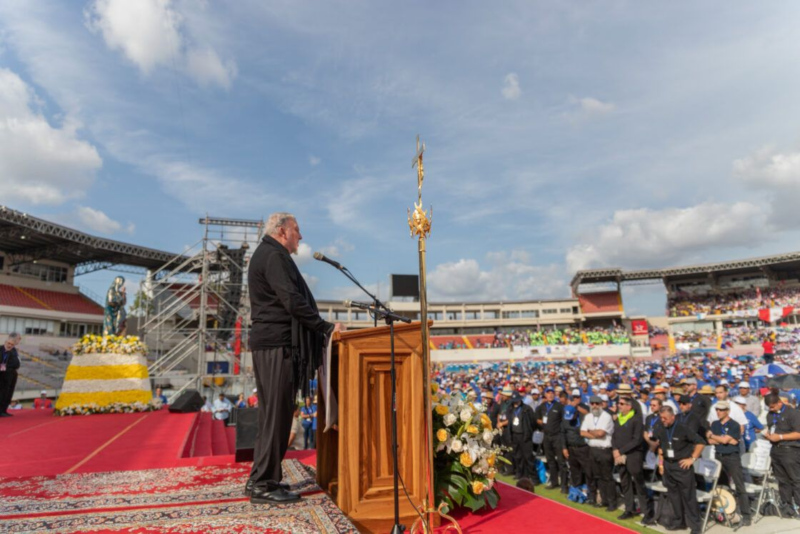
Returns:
(560, 135)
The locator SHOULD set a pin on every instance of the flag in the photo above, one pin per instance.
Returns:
(770, 315)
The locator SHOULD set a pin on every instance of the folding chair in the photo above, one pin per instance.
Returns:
(710, 470)
(757, 466)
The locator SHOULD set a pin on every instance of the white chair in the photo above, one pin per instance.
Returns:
(758, 466)
(710, 470)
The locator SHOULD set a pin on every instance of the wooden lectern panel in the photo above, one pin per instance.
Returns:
(363, 474)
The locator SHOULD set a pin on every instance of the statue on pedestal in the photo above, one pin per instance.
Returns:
(115, 321)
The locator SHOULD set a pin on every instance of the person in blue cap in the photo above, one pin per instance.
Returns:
(548, 417)
(576, 449)
(520, 430)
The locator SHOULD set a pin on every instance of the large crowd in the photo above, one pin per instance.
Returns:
(602, 429)
(683, 304)
(547, 336)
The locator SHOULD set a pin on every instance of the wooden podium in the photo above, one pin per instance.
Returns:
(354, 465)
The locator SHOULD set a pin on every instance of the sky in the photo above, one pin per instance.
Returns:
(559, 135)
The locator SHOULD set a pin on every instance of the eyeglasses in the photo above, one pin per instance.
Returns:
(595, 403)
(721, 409)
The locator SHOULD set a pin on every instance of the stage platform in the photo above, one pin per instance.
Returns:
(162, 472)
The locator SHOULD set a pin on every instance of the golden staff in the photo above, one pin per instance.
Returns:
(420, 224)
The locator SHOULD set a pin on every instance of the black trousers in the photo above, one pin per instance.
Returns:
(276, 396)
(786, 467)
(522, 456)
(555, 460)
(602, 476)
(732, 467)
(682, 493)
(631, 478)
(8, 381)
(579, 465)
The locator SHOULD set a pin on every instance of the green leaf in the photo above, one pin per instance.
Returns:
(492, 498)
(474, 503)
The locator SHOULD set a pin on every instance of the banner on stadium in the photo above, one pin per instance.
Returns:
(770, 315)
(639, 327)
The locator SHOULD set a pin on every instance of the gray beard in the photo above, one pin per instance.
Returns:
(597, 412)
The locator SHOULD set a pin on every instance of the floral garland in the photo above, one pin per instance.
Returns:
(465, 459)
(117, 407)
(94, 344)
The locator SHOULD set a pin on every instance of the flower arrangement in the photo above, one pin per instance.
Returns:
(117, 407)
(95, 344)
(465, 461)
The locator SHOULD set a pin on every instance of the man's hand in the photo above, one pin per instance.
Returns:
(566, 454)
(774, 438)
(339, 327)
(686, 463)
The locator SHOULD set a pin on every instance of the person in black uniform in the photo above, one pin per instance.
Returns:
(701, 404)
(9, 363)
(548, 416)
(576, 449)
(679, 449)
(725, 434)
(627, 444)
(783, 431)
(688, 416)
(521, 424)
(287, 338)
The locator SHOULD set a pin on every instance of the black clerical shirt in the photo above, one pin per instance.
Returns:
(678, 438)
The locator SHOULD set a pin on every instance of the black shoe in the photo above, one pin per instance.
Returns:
(648, 521)
(611, 508)
(626, 515)
(6, 414)
(565, 491)
(745, 522)
(248, 488)
(279, 496)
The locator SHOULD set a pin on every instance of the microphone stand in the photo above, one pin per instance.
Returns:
(377, 303)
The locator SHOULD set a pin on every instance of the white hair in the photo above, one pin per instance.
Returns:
(14, 335)
(277, 221)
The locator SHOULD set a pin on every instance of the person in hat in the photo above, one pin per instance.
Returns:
(252, 400)
(42, 403)
(701, 404)
(661, 392)
(783, 432)
(753, 402)
(628, 448)
(753, 424)
(576, 449)
(548, 417)
(597, 428)
(688, 418)
(679, 449)
(736, 413)
(520, 431)
(725, 435)
(532, 399)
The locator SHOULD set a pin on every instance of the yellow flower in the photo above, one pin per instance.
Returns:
(477, 487)
(441, 435)
(472, 429)
(441, 409)
(486, 422)
(465, 459)
(491, 474)
(434, 387)
(490, 460)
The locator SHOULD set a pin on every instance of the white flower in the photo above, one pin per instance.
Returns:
(466, 415)
(449, 419)
(457, 445)
(488, 436)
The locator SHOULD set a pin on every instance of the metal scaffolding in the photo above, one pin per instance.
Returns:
(193, 307)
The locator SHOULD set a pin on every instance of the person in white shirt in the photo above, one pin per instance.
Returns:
(753, 402)
(597, 428)
(736, 413)
(222, 408)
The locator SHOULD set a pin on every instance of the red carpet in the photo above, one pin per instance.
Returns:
(163, 472)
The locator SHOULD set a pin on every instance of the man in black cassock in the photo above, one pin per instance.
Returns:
(520, 431)
(287, 338)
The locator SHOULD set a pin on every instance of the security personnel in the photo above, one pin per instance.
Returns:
(597, 428)
(725, 434)
(548, 416)
(701, 405)
(628, 447)
(783, 431)
(521, 427)
(576, 450)
(679, 449)
(688, 416)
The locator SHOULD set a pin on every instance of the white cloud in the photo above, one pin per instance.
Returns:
(645, 237)
(151, 34)
(304, 254)
(767, 167)
(314, 160)
(39, 163)
(337, 248)
(588, 108)
(207, 68)
(511, 276)
(97, 221)
(511, 89)
(146, 31)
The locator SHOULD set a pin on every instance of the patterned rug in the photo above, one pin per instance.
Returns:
(181, 500)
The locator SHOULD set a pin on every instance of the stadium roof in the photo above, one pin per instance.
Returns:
(24, 238)
(596, 276)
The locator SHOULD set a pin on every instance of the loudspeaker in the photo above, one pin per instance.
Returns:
(189, 401)
(246, 430)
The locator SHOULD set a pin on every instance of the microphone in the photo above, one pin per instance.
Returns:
(361, 305)
(321, 257)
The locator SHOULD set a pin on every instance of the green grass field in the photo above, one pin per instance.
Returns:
(557, 496)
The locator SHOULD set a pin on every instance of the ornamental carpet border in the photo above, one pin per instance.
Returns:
(181, 499)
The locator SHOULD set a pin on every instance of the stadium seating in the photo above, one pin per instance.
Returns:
(43, 299)
(605, 302)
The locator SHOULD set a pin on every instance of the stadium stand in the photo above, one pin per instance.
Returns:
(42, 299)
